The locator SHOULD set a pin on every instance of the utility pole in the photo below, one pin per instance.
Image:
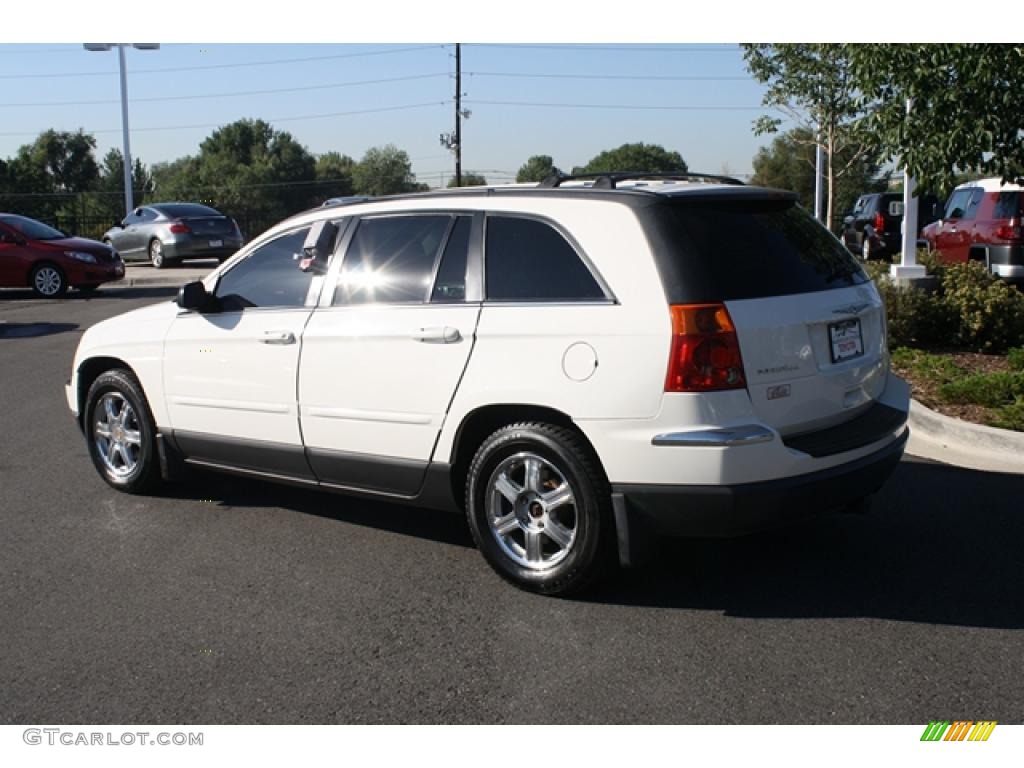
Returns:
(453, 141)
(458, 115)
(908, 269)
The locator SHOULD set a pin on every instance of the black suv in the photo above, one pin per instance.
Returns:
(874, 229)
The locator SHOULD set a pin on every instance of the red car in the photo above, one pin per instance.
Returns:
(982, 222)
(38, 256)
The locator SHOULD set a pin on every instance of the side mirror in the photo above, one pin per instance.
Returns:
(193, 297)
(318, 247)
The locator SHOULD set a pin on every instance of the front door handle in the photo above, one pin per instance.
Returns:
(278, 337)
(438, 335)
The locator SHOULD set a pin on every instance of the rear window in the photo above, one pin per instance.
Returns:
(721, 250)
(180, 210)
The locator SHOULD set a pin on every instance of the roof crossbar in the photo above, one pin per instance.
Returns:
(611, 180)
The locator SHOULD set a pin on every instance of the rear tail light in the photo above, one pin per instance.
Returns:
(879, 223)
(705, 352)
(1011, 231)
(179, 227)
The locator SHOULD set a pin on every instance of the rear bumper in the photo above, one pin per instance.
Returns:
(733, 510)
(199, 248)
(1007, 261)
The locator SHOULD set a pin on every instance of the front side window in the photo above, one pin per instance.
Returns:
(957, 205)
(391, 260)
(268, 277)
(973, 202)
(529, 260)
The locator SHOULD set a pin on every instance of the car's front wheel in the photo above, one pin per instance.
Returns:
(48, 281)
(120, 433)
(539, 508)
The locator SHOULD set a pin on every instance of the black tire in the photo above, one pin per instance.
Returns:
(156, 255)
(144, 473)
(566, 461)
(48, 281)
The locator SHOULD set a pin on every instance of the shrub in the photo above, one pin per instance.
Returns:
(916, 317)
(972, 309)
(1015, 357)
(989, 312)
(1010, 416)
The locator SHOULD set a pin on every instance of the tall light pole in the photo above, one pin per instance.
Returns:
(129, 203)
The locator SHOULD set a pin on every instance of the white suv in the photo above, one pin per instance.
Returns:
(576, 366)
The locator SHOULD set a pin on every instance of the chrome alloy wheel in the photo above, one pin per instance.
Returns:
(531, 511)
(117, 434)
(47, 281)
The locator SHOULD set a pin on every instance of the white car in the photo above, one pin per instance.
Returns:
(576, 367)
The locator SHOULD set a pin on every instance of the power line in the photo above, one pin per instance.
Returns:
(227, 66)
(673, 49)
(235, 93)
(268, 120)
(686, 108)
(709, 78)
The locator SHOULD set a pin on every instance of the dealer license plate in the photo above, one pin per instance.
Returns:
(846, 340)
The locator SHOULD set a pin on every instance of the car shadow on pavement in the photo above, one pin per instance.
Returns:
(940, 545)
(32, 330)
(230, 490)
(109, 292)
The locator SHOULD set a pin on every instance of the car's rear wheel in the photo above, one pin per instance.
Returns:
(48, 281)
(539, 508)
(865, 250)
(156, 255)
(120, 433)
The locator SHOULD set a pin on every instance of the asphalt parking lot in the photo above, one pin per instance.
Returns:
(231, 601)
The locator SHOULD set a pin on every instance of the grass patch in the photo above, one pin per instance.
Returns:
(994, 390)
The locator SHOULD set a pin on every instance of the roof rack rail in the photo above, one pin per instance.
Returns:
(610, 180)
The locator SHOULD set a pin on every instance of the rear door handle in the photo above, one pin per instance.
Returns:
(278, 337)
(437, 335)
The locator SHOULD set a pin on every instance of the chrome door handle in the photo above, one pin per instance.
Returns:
(437, 335)
(278, 337)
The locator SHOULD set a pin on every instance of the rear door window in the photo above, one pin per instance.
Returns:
(391, 260)
(720, 250)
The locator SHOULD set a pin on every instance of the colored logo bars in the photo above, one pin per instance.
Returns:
(958, 730)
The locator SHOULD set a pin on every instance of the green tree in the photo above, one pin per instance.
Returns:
(537, 168)
(47, 175)
(109, 198)
(812, 84)
(966, 112)
(334, 175)
(384, 170)
(246, 169)
(789, 164)
(468, 180)
(651, 158)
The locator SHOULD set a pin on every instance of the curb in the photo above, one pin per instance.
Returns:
(963, 443)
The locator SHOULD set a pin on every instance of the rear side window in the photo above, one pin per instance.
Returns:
(721, 250)
(529, 260)
(391, 260)
(1007, 206)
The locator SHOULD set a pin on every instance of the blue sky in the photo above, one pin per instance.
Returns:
(705, 101)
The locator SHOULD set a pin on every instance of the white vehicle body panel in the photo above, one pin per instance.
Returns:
(228, 374)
